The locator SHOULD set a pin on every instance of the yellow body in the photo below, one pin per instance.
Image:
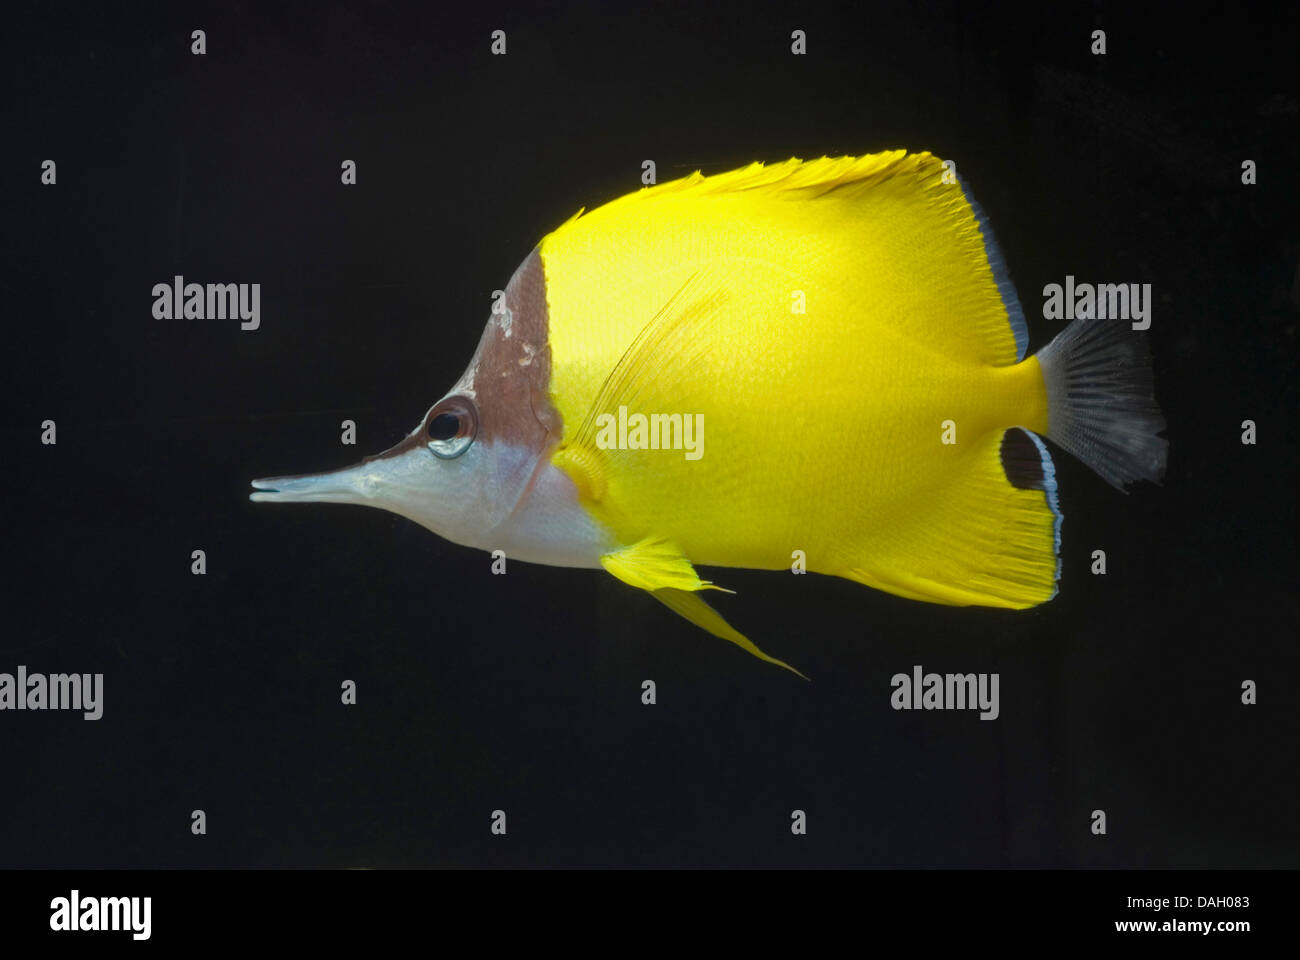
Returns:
(823, 429)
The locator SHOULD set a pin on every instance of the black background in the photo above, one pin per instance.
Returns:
(523, 692)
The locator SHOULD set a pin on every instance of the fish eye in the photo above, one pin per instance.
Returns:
(451, 426)
(444, 426)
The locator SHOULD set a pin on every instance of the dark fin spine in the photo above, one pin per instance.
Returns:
(1101, 403)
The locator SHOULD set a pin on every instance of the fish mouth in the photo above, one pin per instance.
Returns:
(267, 489)
(277, 489)
(349, 485)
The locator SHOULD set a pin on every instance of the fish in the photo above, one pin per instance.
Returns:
(817, 364)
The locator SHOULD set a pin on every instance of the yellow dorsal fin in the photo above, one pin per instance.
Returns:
(656, 565)
(899, 243)
(815, 177)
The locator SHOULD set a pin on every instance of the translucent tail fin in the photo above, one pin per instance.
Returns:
(1101, 406)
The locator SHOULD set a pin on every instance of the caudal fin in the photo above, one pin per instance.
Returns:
(1101, 404)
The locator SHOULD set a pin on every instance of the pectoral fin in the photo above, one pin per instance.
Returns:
(657, 371)
(656, 565)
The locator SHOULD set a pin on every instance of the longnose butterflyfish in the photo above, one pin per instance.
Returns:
(816, 365)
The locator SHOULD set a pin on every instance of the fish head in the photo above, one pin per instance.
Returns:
(472, 459)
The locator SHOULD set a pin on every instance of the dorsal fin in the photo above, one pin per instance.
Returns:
(925, 257)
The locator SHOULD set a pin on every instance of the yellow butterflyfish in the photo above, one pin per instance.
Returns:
(817, 360)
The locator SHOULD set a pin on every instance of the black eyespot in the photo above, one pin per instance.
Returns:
(444, 426)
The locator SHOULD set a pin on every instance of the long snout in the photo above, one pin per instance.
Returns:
(359, 483)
